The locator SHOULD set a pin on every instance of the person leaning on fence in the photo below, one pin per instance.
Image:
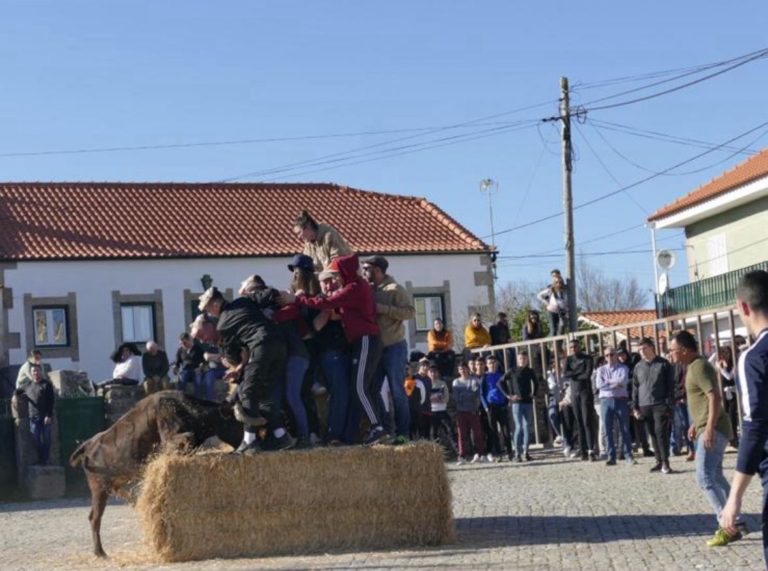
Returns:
(440, 347)
(466, 396)
(154, 365)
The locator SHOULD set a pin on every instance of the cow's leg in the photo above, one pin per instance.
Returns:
(99, 495)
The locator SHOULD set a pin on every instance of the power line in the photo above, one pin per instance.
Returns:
(665, 137)
(472, 122)
(684, 173)
(634, 184)
(747, 58)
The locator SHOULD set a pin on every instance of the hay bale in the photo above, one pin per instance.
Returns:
(223, 505)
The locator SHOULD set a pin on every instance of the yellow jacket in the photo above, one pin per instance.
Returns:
(475, 337)
(439, 342)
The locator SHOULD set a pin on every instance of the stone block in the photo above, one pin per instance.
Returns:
(71, 384)
(45, 482)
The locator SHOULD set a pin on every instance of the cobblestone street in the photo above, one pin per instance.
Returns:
(549, 514)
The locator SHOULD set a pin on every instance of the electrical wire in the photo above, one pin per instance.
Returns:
(632, 185)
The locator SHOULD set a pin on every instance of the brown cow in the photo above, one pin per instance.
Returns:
(168, 420)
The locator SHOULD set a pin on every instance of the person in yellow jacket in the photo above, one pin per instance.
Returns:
(475, 335)
(440, 347)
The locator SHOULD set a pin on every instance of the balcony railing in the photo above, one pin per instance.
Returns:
(716, 291)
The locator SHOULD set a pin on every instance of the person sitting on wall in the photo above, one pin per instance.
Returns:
(127, 369)
(440, 348)
(188, 364)
(154, 364)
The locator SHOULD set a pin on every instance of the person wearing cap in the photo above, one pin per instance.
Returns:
(243, 328)
(355, 301)
(322, 242)
(335, 361)
(394, 306)
(653, 393)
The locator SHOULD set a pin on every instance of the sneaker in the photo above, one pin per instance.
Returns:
(611, 462)
(648, 454)
(528, 457)
(518, 458)
(475, 459)
(621, 456)
(558, 441)
(630, 461)
(592, 457)
(721, 538)
(665, 469)
(573, 454)
(567, 451)
(656, 468)
(691, 457)
(400, 440)
(303, 444)
(285, 442)
(318, 389)
(315, 440)
(490, 458)
(249, 449)
(376, 435)
(335, 443)
(460, 461)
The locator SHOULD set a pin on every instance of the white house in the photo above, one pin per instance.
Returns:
(86, 266)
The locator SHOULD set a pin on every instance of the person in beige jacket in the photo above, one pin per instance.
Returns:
(394, 306)
(322, 242)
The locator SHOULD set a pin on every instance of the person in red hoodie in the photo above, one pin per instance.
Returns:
(355, 302)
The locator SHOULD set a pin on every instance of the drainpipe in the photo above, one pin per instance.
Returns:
(656, 296)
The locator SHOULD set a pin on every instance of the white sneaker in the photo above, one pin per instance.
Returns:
(318, 389)
(567, 451)
(490, 458)
(460, 461)
(558, 441)
(315, 439)
(475, 459)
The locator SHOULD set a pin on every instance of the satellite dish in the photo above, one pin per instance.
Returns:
(663, 283)
(665, 259)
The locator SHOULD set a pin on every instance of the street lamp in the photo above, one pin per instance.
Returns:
(490, 186)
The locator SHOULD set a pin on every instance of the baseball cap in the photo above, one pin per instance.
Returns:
(301, 261)
(378, 261)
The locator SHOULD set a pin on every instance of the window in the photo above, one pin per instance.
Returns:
(428, 308)
(717, 251)
(138, 322)
(51, 326)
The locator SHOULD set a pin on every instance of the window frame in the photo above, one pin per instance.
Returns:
(153, 311)
(51, 307)
(430, 319)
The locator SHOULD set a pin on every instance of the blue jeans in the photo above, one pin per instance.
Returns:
(41, 434)
(522, 412)
(335, 365)
(189, 376)
(209, 381)
(709, 471)
(554, 417)
(617, 409)
(680, 424)
(392, 366)
(295, 369)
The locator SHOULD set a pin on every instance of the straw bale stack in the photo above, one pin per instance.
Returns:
(223, 505)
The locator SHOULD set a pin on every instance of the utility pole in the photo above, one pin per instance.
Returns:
(490, 186)
(570, 258)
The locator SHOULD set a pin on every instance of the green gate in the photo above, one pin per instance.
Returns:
(7, 450)
(78, 420)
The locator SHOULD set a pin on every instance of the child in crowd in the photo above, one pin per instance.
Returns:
(495, 403)
(418, 396)
(466, 395)
(439, 396)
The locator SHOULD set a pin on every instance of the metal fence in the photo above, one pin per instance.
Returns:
(710, 292)
(714, 328)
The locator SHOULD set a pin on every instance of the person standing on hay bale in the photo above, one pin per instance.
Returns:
(242, 325)
(356, 304)
(394, 306)
(322, 242)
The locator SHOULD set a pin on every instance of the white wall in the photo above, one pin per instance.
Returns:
(94, 281)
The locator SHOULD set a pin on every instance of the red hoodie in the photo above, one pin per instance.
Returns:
(354, 301)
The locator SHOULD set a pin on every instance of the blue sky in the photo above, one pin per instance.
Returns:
(81, 75)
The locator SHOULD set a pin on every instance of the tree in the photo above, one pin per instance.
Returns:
(516, 299)
(597, 292)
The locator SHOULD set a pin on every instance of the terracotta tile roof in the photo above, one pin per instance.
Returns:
(751, 169)
(626, 317)
(58, 220)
